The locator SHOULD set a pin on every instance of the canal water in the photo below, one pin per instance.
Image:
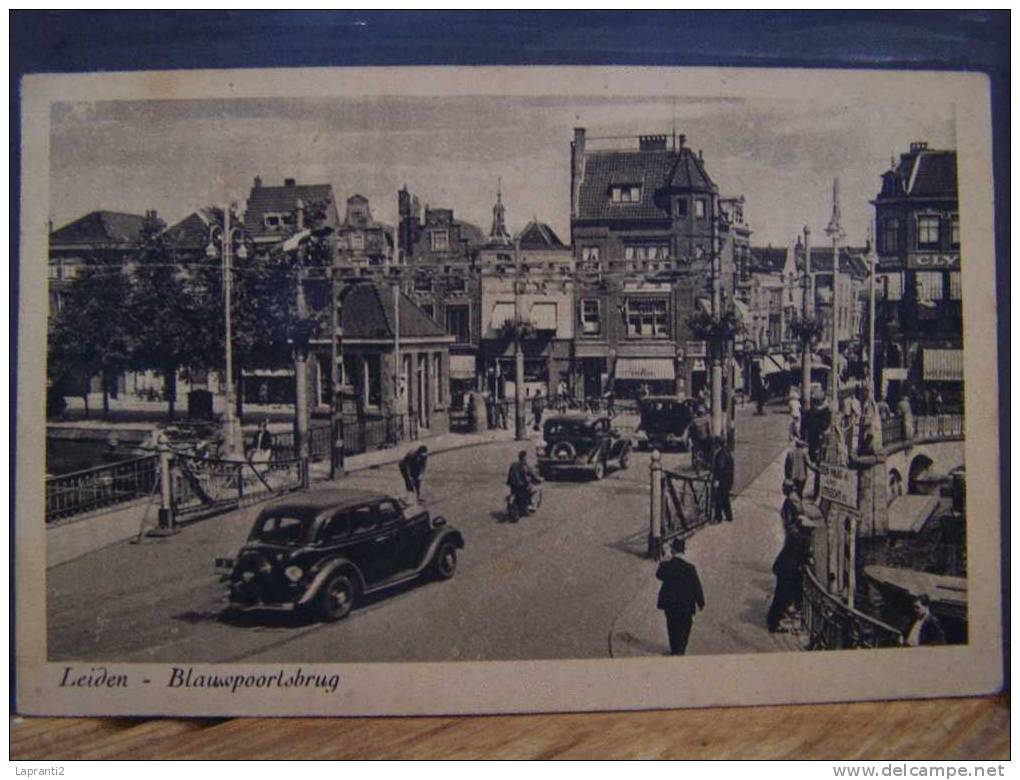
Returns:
(64, 455)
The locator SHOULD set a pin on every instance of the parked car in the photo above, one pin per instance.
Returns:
(665, 421)
(576, 442)
(322, 550)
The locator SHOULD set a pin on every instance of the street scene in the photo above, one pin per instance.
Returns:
(688, 391)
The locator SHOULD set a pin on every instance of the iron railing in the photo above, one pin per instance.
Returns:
(832, 625)
(100, 486)
(927, 427)
(209, 484)
(686, 504)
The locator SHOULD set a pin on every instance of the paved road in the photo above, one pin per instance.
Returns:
(550, 586)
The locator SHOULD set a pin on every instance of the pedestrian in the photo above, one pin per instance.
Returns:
(490, 410)
(561, 392)
(795, 408)
(816, 423)
(797, 465)
(610, 404)
(936, 402)
(791, 510)
(925, 628)
(700, 434)
(262, 445)
(789, 570)
(536, 409)
(905, 410)
(680, 596)
(412, 469)
(722, 481)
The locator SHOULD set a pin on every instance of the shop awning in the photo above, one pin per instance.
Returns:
(772, 364)
(645, 369)
(543, 316)
(943, 365)
(462, 366)
(501, 312)
(909, 513)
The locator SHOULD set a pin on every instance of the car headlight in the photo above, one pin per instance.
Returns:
(293, 573)
(540, 445)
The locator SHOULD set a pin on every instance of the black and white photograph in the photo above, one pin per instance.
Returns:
(602, 375)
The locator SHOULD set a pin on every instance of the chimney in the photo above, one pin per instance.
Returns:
(918, 146)
(652, 143)
(681, 140)
(299, 207)
(576, 171)
(258, 182)
(289, 182)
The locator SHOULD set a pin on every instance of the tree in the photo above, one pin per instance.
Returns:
(167, 317)
(89, 336)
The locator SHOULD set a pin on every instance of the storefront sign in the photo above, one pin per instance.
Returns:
(838, 484)
(933, 262)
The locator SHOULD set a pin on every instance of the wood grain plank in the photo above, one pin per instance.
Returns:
(976, 728)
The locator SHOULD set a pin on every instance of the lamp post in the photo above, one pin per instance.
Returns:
(809, 312)
(221, 242)
(835, 231)
(518, 352)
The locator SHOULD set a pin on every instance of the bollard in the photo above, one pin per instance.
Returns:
(166, 510)
(655, 512)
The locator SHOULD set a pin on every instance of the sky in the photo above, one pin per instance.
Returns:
(178, 155)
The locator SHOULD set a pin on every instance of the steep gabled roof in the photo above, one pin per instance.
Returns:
(537, 235)
(851, 260)
(770, 259)
(193, 232)
(655, 170)
(472, 234)
(282, 200)
(922, 173)
(368, 313)
(101, 228)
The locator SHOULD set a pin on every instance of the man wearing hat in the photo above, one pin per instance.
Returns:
(797, 465)
(680, 596)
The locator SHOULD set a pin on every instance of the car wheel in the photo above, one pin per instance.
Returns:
(625, 459)
(444, 564)
(600, 469)
(337, 597)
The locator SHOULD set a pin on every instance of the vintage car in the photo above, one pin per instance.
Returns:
(322, 550)
(665, 421)
(579, 442)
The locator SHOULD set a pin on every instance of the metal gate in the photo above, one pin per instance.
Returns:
(209, 484)
(681, 504)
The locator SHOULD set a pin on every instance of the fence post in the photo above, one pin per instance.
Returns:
(166, 508)
(655, 511)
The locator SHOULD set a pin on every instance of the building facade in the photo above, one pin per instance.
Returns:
(919, 315)
(651, 239)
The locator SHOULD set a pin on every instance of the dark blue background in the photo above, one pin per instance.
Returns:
(52, 42)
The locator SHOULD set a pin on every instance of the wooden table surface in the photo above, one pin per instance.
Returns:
(976, 728)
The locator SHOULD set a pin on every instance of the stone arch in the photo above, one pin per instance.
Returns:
(918, 466)
(895, 484)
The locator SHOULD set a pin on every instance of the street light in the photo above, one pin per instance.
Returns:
(221, 243)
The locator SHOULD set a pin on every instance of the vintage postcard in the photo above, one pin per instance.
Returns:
(481, 390)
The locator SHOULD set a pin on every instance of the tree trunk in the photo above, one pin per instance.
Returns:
(106, 397)
(170, 383)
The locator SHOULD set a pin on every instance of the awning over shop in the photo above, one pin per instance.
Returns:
(943, 365)
(645, 369)
(909, 513)
(462, 366)
(501, 312)
(543, 316)
(772, 364)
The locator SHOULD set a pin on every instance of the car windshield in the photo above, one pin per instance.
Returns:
(284, 527)
(568, 428)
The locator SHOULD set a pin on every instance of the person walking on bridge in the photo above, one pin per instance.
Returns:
(722, 481)
(680, 596)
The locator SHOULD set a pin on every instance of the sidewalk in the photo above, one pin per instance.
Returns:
(734, 562)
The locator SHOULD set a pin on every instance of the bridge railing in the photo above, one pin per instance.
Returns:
(82, 491)
(832, 625)
(927, 427)
(209, 484)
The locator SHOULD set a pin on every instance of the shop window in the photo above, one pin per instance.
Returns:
(589, 254)
(955, 286)
(929, 285)
(954, 228)
(893, 284)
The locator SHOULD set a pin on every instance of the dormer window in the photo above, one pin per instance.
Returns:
(625, 193)
(439, 240)
(357, 241)
(273, 221)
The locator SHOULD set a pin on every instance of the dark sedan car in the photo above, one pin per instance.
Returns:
(322, 550)
(665, 422)
(573, 442)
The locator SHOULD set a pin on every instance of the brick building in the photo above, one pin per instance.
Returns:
(919, 317)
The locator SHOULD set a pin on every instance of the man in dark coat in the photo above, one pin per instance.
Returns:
(925, 628)
(722, 481)
(536, 409)
(680, 596)
(789, 571)
(412, 469)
